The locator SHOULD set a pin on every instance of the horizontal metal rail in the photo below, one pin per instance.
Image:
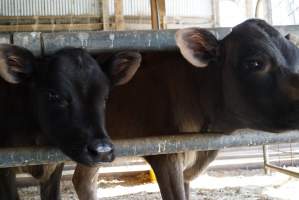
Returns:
(152, 146)
(102, 41)
(282, 170)
(268, 166)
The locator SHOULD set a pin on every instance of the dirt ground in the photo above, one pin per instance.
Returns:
(214, 185)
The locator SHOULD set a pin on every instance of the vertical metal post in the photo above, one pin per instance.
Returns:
(266, 158)
(292, 156)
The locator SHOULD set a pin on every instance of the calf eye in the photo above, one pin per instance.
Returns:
(254, 65)
(57, 99)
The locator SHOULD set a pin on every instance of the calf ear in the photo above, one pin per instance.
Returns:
(122, 67)
(16, 63)
(198, 46)
(293, 38)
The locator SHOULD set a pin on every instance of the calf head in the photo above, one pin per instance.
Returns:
(70, 91)
(256, 70)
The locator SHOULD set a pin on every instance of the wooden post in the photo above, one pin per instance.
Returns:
(161, 13)
(105, 14)
(158, 12)
(215, 7)
(154, 15)
(119, 17)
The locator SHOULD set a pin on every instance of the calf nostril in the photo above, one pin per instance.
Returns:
(103, 148)
(99, 148)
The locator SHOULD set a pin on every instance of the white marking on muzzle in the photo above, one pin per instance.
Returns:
(104, 148)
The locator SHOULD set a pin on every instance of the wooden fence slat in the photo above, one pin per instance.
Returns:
(119, 17)
(154, 15)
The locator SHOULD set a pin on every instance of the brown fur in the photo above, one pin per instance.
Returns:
(163, 98)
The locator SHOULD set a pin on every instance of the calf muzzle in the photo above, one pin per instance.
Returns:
(102, 150)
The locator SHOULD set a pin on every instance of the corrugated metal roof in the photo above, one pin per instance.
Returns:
(49, 7)
(91, 7)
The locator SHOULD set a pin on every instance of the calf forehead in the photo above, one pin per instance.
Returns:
(258, 27)
(257, 34)
(73, 62)
(257, 38)
(75, 68)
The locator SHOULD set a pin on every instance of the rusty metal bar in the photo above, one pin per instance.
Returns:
(153, 146)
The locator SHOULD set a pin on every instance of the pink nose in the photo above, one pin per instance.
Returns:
(100, 148)
(103, 150)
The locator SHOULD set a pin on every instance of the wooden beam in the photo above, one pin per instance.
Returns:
(154, 15)
(119, 17)
(50, 27)
(105, 14)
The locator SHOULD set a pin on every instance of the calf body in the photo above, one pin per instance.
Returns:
(57, 100)
(247, 80)
(161, 99)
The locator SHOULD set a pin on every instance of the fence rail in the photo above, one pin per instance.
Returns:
(11, 157)
(101, 41)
